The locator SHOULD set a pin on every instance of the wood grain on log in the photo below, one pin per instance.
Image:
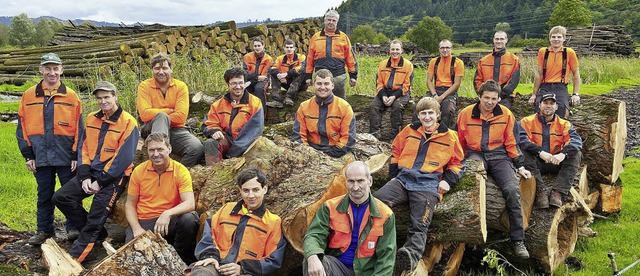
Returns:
(58, 261)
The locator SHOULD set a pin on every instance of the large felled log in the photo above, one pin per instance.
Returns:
(58, 261)
(147, 254)
(497, 214)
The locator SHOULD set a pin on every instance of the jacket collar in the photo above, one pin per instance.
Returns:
(326, 101)
(113, 119)
(417, 126)
(499, 53)
(343, 206)
(257, 212)
(323, 33)
(293, 56)
(243, 100)
(475, 113)
(62, 89)
(543, 120)
(400, 62)
(170, 168)
(154, 84)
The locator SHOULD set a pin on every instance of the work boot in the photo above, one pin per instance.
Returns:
(556, 199)
(404, 261)
(211, 152)
(288, 101)
(542, 200)
(520, 250)
(73, 235)
(40, 237)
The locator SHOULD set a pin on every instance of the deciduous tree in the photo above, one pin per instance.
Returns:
(428, 33)
(570, 13)
(22, 30)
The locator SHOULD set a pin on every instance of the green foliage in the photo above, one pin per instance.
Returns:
(476, 44)
(4, 35)
(570, 13)
(428, 33)
(45, 29)
(22, 30)
(502, 26)
(518, 42)
(494, 260)
(393, 26)
(9, 106)
(366, 34)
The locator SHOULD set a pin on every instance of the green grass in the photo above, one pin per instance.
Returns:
(9, 106)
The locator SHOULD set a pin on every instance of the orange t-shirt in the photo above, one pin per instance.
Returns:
(443, 77)
(158, 193)
(553, 73)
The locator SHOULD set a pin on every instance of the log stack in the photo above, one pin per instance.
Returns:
(108, 50)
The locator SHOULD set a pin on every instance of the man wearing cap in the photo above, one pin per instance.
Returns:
(50, 120)
(163, 105)
(160, 198)
(108, 146)
(550, 145)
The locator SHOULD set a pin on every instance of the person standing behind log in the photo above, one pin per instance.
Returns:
(163, 105)
(160, 198)
(550, 145)
(425, 161)
(554, 63)
(257, 65)
(242, 237)
(233, 122)
(486, 133)
(50, 120)
(444, 76)
(500, 66)
(393, 84)
(352, 234)
(331, 49)
(325, 122)
(108, 148)
(287, 72)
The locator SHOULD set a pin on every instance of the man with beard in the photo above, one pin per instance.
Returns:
(425, 162)
(500, 66)
(257, 65)
(352, 234)
(550, 145)
(325, 122)
(49, 125)
(331, 49)
(244, 237)
(105, 163)
(554, 63)
(160, 198)
(393, 84)
(486, 133)
(163, 105)
(233, 122)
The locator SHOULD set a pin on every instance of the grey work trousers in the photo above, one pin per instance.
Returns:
(183, 143)
(332, 267)
(566, 171)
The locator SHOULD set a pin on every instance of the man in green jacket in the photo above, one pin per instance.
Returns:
(330, 245)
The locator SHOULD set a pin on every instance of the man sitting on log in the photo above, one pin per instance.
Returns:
(325, 122)
(163, 105)
(286, 73)
(352, 234)
(242, 237)
(160, 198)
(486, 133)
(105, 163)
(550, 145)
(233, 122)
(425, 161)
(257, 65)
(393, 84)
(49, 125)
(554, 62)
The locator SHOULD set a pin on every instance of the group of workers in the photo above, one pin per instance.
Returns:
(353, 234)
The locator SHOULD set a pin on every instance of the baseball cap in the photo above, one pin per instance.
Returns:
(50, 58)
(104, 86)
(549, 96)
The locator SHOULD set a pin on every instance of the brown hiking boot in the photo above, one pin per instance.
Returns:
(40, 237)
(520, 250)
(288, 101)
(542, 200)
(556, 199)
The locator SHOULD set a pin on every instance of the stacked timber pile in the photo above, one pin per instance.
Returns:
(108, 54)
(604, 40)
(81, 33)
(422, 59)
(471, 59)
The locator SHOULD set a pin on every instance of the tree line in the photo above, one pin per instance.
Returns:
(24, 32)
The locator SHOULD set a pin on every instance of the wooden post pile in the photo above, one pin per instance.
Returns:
(109, 51)
(81, 33)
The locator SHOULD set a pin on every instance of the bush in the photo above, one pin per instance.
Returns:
(476, 44)
(522, 42)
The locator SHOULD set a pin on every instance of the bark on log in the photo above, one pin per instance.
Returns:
(58, 261)
(497, 214)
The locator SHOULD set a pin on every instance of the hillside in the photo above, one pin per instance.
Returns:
(476, 19)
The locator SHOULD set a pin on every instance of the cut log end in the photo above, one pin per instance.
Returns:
(58, 261)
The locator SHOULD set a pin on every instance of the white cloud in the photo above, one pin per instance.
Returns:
(170, 12)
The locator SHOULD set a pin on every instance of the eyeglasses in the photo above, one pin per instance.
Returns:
(445, 48)
(234, 84)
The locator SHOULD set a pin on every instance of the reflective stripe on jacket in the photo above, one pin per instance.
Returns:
(242, 122)
(151, 101)
(332, 52)
(330, 233)
(555, 136)
(255, 66)
(108, 146)
(326, 123)
(423, 160)
(254, 240)
(49, 125)
(506, 74)
(395, 75)
(291, 64)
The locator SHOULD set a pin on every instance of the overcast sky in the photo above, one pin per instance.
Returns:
(169, 12)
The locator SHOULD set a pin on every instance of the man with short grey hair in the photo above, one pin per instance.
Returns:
(500, 66)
